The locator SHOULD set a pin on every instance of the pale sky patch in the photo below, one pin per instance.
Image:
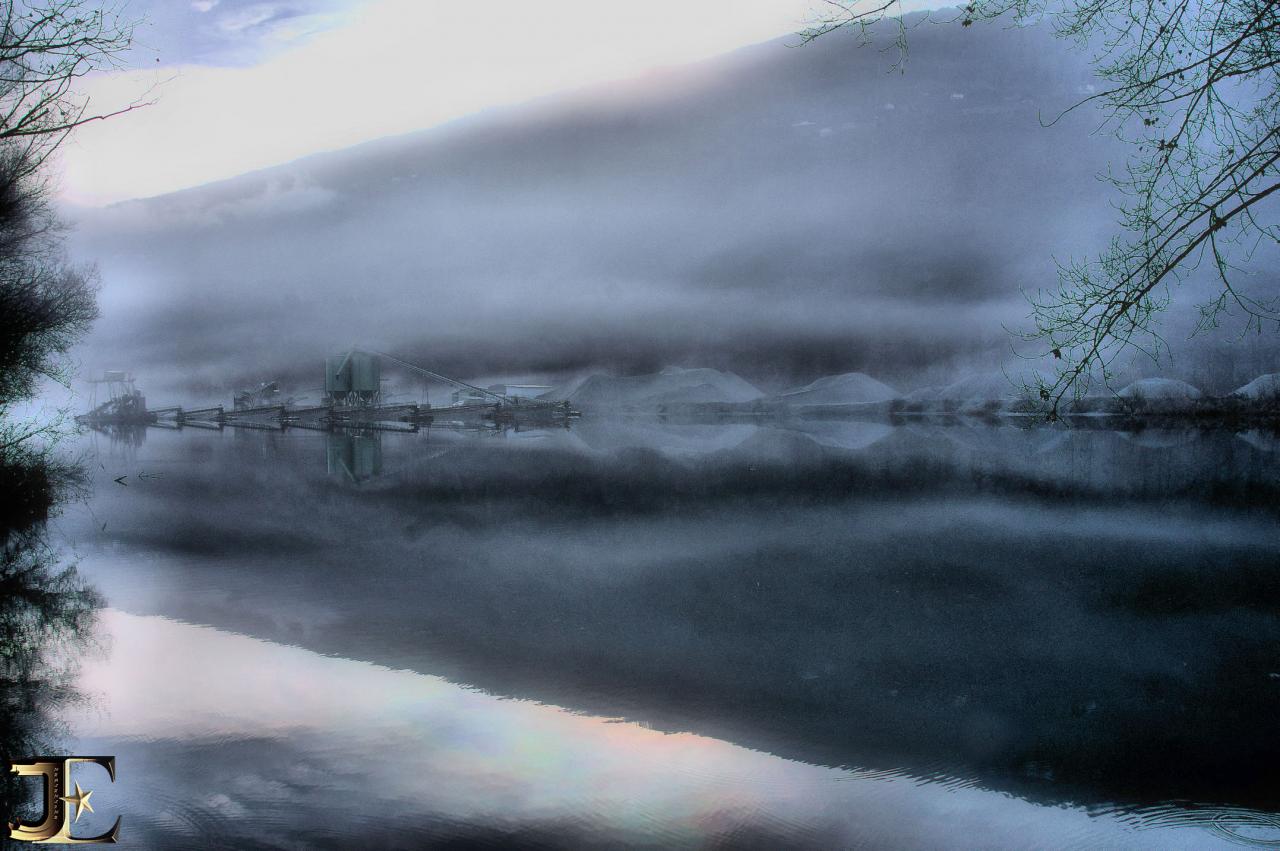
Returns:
(248, 18)
(393, 66)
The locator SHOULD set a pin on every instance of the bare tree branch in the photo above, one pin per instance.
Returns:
(46, 304)
(1194, 87)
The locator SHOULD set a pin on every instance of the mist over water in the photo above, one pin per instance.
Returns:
(828, 631)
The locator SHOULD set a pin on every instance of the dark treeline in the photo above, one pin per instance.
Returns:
(46, 305)
(46, 618)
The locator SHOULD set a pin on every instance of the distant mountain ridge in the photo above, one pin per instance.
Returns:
(778, 211)
(765, 209)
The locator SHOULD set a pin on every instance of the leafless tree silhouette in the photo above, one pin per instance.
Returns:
(1192, 86)
(46, 304)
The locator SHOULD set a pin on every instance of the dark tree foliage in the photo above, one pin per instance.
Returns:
(46, 304)
(47, 617)
(1194, 87)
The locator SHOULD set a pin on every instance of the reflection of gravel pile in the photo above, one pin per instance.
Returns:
(1261, 440)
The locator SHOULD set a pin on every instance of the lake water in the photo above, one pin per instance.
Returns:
(645, 633)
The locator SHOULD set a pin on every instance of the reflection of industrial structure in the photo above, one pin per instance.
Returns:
(351, 453)
(354, 455)
(352, 399)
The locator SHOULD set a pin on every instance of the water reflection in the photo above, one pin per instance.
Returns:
(316, 750)
(1073, 617)
(354, 455)
(47, 619)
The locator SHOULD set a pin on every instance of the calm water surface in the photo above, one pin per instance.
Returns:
(828, 634)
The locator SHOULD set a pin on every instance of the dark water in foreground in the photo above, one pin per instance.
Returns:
(635, 633)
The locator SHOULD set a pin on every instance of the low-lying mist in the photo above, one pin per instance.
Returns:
(781, 213)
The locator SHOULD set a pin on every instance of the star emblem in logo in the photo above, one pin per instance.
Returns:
(80, 799)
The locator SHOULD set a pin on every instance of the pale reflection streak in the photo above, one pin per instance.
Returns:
(441, 748)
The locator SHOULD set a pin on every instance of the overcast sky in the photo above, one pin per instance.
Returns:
(244, 84)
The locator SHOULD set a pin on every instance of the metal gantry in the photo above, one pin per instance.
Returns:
(353, 399)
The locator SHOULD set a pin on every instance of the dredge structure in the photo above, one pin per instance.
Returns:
(352, 399)
(124, 405)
